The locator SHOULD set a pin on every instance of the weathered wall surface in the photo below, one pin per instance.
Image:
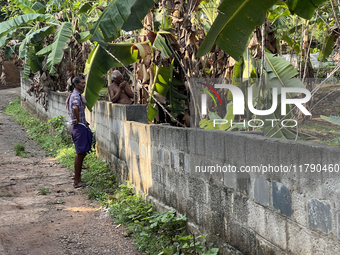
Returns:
(296, 212)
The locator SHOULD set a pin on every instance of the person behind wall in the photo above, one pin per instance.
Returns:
(120, 91)
(80, 131)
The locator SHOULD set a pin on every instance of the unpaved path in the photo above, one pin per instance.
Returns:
(61, 222)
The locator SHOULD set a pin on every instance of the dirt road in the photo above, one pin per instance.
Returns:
(61, 222)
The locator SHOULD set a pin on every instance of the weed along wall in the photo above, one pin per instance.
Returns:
(291, 207)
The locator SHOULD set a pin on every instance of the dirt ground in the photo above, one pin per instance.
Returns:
(62, 222)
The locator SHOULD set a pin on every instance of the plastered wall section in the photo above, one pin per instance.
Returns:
(295, 212)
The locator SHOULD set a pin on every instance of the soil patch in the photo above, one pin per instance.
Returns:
(12, 72)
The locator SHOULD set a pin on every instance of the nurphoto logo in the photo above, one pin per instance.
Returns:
(255, 109)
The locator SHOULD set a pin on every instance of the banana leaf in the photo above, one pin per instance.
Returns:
(175, 106)
(120, 14)
(16, 22)
(24, 5)
(63, 34)
(85, 7)
(165, 85)
(39, 7)
(281, 73)
(32, 61)
(234, 24)
(4, 40)
(327, 49)
(34, 37)
(99, 62)
(161, 45)
(84, 36)
(162, 81)
(277, 13)
(238, 19)
(331, 119)
(209, 124)
(269, 124)
(304, 8)
(45, 50)
(138, 11)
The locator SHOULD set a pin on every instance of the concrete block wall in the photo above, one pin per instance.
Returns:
(294, 212)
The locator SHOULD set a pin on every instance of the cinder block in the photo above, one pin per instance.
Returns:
(261, 191)
(299, 208)
(154, 155)
(156, 176)
(192, 140)
(154, 137)
(282, 201)
(209, 143)
(242, 238)
(143, 151)
(173, 199)
(257, 219)
(187, 163)
(240, 209)
(299, 239)
(180, 139)
(265, 247)
(164, 141)
(319, 216)
(181, 162)
(183, 186)
(197, 190)
(215, 197)
(174, 160)
(235, 149)
(200, 142)
(172, 181)
(227, 198)
(229, 179)
(196, 166)
(276, 229)
(243, 183)
(252, 146)
(160, 156)
(136, 113)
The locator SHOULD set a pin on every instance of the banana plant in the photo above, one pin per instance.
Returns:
(238, 19)
(165, 86)
(35, 13)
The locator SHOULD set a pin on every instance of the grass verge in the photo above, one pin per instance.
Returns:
(155, 232)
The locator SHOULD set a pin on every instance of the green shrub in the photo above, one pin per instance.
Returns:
(20, 150)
